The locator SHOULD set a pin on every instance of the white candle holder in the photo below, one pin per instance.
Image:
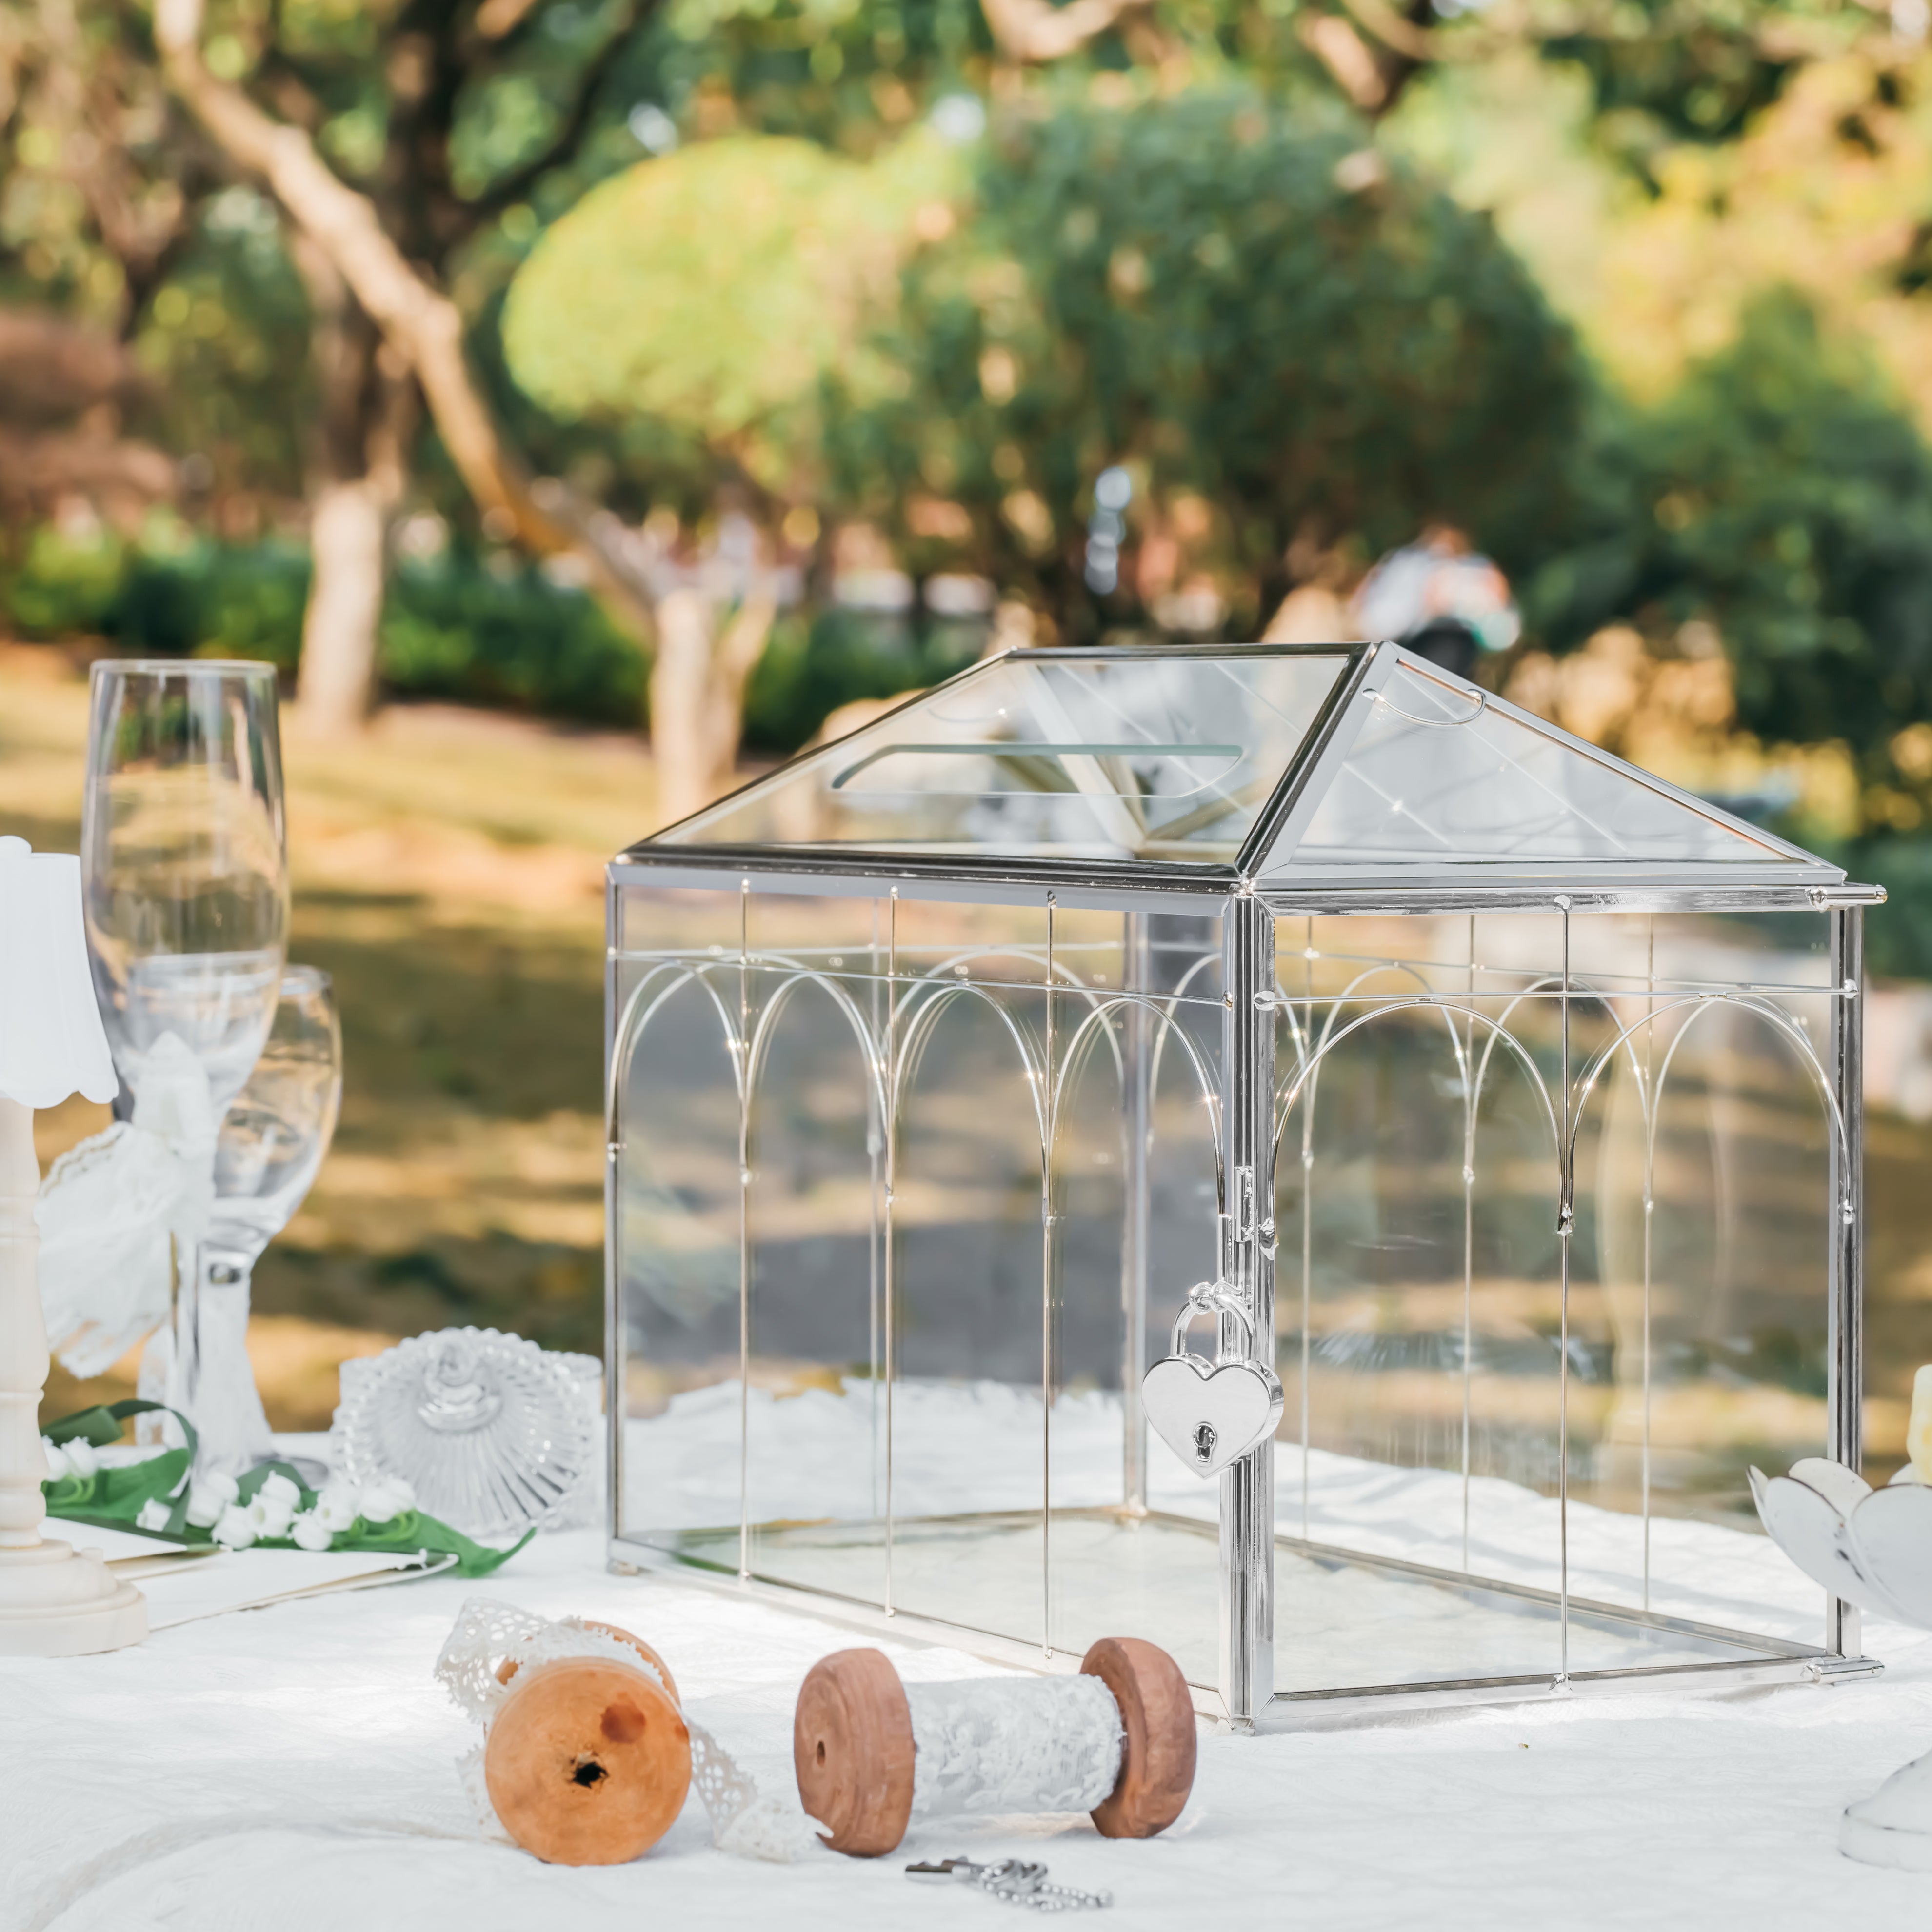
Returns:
(54, 1600)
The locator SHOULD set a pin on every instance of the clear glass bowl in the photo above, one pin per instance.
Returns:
(493, 1433)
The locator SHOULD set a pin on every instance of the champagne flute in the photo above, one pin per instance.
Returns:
(186, 889)
(272, 1142)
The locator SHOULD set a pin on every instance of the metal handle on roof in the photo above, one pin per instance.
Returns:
(1435, 723)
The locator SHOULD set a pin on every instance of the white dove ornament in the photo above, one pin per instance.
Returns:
(1873, 1548)
(1211, 1414)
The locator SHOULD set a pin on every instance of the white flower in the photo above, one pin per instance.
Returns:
(404, 1491)
(278, 1489)
(234, 1529)
(338, 1506)
(310, 1532)
(267, 1515)
(210, 1496)
(58, 1465)
(154, 1515)
(81, 1459)
(381, 1503)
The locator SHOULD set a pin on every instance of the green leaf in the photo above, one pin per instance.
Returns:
(112, 1498)
(414, 1531)
(99, 1426)
(118, 1495)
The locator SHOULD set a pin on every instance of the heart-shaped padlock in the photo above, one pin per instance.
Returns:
(1211, 1414)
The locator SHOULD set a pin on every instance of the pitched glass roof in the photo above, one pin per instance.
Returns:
(1080, 754)
(1339, 765)
(1436, 775)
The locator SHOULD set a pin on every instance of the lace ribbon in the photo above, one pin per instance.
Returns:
(1006, 1744)
(487, 1634)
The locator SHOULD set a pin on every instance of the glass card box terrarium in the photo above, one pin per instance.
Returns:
(1511, 1094)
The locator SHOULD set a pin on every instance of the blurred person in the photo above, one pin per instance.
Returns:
(1440, 598)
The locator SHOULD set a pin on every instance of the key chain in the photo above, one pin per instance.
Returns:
(1015, 1882)
(1211, 1414)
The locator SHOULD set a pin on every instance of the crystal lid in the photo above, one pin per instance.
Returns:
(493, 1432)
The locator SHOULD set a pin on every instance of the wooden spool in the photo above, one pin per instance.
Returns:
(852, 1745)
(509, 1668)
(587, 1763)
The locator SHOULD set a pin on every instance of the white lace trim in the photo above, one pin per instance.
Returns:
(1006, 1744)
(487, 1634)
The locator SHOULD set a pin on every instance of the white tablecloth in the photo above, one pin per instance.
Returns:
(266, 1770)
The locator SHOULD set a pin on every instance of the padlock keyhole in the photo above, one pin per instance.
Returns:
(1204, 1442)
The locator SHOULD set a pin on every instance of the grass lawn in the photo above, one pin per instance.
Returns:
(449, 872)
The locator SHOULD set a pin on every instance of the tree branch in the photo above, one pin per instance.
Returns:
(1340, 50)
(1403, 37)
(1034, 30)
(420, 323)
(513, 186)
(496, 18)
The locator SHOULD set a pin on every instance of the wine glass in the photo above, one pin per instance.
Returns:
(272, 1142)
(186, 889)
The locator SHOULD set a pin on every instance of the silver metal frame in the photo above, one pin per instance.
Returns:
(1251, 1112)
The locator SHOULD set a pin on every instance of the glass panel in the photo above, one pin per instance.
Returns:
(1146, 757)
(815, 1412)
(968, 1474)
(1428, 1350)
(1440, 776)
(1699, 1305)
(1417, 1318)
(988, 945)
(1135, 1209)
(676, 1230)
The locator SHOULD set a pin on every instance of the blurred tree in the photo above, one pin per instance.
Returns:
(1783, 495)
(92, 221)
(412, 151)
(710, 294)
(1281, 343)
(397, 136)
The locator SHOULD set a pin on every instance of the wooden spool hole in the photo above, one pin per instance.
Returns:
(587, 1762)
(852, 1745)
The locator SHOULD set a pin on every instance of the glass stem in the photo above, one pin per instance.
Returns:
(224, 1403)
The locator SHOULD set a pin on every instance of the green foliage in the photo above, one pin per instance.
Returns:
(1665, 71)
(848, 75)
(490, 632)
(811, 667)
(714, 290)
(67, 580)
(1791, 496)
(224, 339)
(1898, 939)
(480, 631)
(1245, 307)
(500, 633)
(1784, 494)
(215, 600)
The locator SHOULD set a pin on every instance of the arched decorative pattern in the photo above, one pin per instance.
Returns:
(1057, 1036)
(1562, 1104)
(749, 994)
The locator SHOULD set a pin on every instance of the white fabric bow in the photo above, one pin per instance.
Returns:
(120, 1213)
